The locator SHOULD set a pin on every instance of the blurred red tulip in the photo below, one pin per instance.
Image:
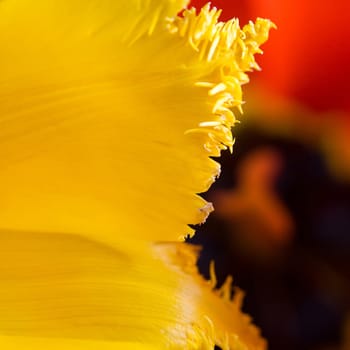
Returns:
(302, 90)
(307, 57)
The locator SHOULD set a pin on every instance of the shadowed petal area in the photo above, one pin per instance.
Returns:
(61, 286)
(110, 110)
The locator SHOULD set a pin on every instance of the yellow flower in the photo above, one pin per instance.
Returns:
(110, 111)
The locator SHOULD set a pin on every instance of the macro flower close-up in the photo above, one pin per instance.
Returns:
(110, 113)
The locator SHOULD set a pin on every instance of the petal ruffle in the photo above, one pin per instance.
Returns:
(110, 110)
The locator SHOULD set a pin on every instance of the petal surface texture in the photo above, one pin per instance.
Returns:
(66, 287)
(110, 110)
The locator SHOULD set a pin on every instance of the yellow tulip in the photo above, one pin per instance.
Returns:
(110, 112)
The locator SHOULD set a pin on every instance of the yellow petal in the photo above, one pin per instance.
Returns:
(65, 287)
(110, 110)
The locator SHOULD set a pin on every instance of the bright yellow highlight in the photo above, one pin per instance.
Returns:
(110, 112)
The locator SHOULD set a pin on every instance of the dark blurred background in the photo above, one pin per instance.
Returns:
(281, 228)
(281, 225)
